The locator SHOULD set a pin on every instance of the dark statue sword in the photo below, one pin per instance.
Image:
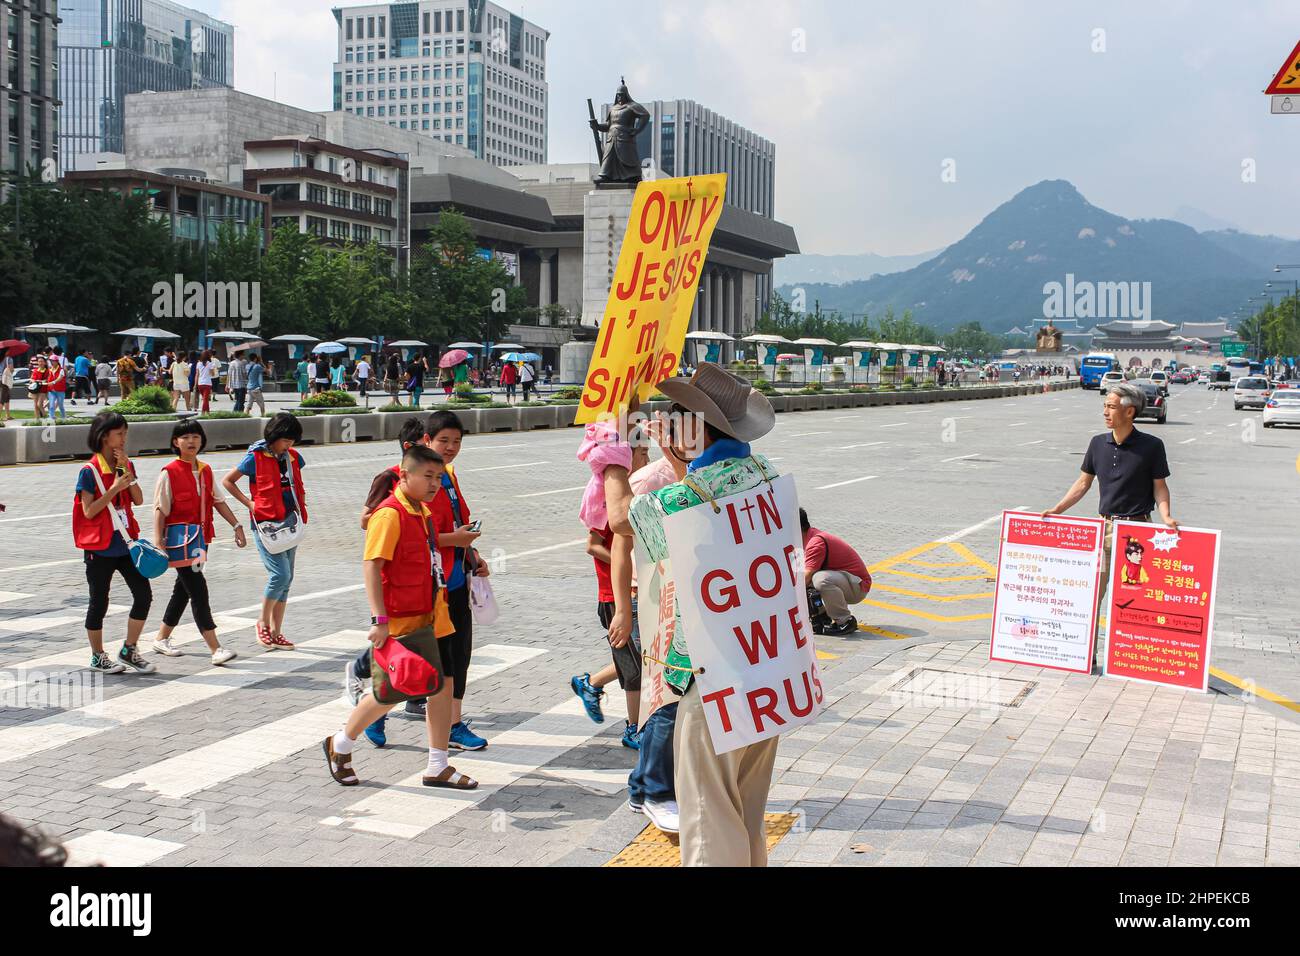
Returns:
(595, 133)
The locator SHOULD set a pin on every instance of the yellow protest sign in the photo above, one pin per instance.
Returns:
(649, 308)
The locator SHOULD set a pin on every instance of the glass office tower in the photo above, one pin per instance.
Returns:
(109, 48)
(29, 112)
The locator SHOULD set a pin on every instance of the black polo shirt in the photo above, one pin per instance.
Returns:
(1126, 472)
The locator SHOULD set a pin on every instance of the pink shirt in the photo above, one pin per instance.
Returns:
(826, 552)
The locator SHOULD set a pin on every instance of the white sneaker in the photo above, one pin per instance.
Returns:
(663, 814)
(166, 648)
(222, 655)
(352, 685)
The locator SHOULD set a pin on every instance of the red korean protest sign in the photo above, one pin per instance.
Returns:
(744, 612)
(1045, 603)
(1160, 609)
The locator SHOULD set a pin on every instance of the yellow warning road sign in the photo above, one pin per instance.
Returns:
(1287, 79)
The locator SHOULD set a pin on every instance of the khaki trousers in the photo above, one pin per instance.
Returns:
(838, 589)
(721, 799)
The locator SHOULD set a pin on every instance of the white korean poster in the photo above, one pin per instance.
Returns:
(1045, 602)
(739, 578)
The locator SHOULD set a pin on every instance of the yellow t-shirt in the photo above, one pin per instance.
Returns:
(382, 533)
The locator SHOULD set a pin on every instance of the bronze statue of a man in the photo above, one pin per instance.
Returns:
(619, 160)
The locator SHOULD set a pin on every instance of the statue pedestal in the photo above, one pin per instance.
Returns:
(605, 214)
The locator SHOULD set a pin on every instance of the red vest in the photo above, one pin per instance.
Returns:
(444, 520)
(188, 505)
(268, 502)
(96, 534)
(408, 577)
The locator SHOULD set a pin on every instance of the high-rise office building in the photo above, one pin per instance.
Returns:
(685, 139)
(467, 72)
(109, 48)
(29, 112)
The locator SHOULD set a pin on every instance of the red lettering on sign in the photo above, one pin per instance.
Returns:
(670, 280)
(758, 636)
(768, 709)
(788, 551)
(666, 365)
(625, 291)
(655, 201)
(651, 272)
(765, 560)
(594, 395)
(706, 210)
(719, 697)
(767, 508)
(692, 270)
(808, 694)
(735, 525)
(818, 684)
(796, 625)
(729, 592)
(678, 213)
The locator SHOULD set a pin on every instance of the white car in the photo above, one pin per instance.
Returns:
(1161, 378)
(1109, 379)
(1251, 390)
(1282, 408)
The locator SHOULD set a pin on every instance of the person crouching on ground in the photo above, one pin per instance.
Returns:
(837, 573)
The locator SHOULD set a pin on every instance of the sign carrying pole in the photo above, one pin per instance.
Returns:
(648, 312)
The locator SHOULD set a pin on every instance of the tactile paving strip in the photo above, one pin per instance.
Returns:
(653, 847)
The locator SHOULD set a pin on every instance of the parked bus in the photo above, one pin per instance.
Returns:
(1094, 366)
(1237, 367)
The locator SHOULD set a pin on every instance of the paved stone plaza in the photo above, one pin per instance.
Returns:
(926, 753)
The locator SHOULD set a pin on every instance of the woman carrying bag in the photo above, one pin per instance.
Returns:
(183, 502)
(103, 523)
(278, 505)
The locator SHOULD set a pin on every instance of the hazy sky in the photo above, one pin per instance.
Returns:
(866, 101)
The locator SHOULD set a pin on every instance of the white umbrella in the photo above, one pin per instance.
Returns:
(765, 339)
(232, 337)
(147, 333)
(507, 347)
(409, 344)
(856, 344)
(823, 342)
(295, 338)
(56, 328)
(356, 340)
(465, 345)
(710, 336)
(889, 346)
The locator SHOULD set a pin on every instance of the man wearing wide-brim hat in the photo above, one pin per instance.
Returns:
(721, 797)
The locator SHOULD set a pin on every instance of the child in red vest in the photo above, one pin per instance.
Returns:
(274, 472)
(398, 572)
(183, 502)
(108, 482)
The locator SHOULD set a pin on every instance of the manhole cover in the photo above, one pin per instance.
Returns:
(931, 687)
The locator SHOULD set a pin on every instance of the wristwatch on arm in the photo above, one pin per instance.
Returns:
(376, 620)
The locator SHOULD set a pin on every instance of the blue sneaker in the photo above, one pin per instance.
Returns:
(462, 738)
(375, 732)
(631, 737)
(589, 695)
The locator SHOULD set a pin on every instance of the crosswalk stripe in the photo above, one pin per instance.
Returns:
(58, 730)
(406, 809)
(117, 849)
(8, 596)
(53, 620)
(243, 753)
(184, 634)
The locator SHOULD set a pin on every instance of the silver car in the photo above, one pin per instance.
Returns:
(1282, 408)
(1251, 390)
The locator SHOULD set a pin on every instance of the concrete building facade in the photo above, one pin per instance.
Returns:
(29, 70)
(466, 72)
(109, 49)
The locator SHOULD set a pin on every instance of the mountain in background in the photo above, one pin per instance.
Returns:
(996, 273)
(794, 270)
(1263, 252)
(1200, 220)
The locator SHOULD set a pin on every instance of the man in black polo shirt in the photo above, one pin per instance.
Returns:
(1130, 466)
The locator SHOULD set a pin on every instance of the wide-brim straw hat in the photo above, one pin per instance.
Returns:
(728, 403)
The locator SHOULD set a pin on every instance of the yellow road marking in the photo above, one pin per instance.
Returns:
(927, 615)
(939, 564)
(1257, 691)
(827, 656)
(971, 556)
(883, 632)
(933, 597)
(905, 556)
(934, 577)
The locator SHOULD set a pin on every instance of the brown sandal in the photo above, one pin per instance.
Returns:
(451, 779)
(340, 764)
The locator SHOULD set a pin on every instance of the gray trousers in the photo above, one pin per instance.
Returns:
(838, 589)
